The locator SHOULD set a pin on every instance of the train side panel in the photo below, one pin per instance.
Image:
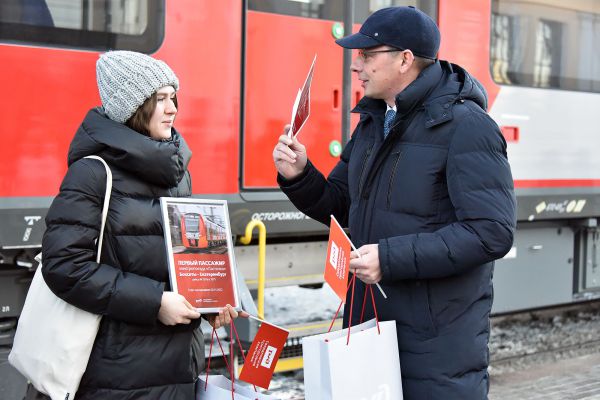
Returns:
(535, 61)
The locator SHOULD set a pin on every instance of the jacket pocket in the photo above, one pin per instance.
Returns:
(422, 312)
(430, 314)
(363, 168)
(397, 156)
(113, 339)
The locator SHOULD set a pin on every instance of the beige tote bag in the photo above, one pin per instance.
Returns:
(54, 339)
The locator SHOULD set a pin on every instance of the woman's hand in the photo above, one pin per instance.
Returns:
(224, 317)
(175, 309)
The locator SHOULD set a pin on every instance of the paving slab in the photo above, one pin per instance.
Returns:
(568, 379)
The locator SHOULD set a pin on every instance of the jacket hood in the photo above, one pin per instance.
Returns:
(471, 88)
(161, 163)
(436, 89)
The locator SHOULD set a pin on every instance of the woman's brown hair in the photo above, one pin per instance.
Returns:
(140, 120)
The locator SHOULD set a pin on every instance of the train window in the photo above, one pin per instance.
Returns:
(334, 9)
(90, 24)
(546, 44)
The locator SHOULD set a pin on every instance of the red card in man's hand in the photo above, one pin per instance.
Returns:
(301, 109)
(338, 259)
(263, 355)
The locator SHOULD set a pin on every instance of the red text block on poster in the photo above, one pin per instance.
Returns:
(338, 259)
(263, 355)
(203, 279)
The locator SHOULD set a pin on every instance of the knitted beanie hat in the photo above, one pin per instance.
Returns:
(126, 79)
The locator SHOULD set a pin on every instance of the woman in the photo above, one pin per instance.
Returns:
(149, 344)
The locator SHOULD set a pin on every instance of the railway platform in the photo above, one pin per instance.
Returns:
(568, 379)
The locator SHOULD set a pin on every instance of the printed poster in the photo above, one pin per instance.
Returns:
(200, 252)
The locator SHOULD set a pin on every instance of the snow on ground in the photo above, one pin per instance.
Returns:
(294, 305)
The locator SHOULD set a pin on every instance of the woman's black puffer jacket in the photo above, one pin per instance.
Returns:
(134, 355)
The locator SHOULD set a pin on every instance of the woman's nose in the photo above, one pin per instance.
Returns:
(171, 108)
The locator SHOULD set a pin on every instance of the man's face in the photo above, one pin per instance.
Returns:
(378, 69)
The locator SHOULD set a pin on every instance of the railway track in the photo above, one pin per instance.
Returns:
(523, 339)
(568, 351)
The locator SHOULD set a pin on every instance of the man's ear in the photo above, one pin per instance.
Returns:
(407, 58)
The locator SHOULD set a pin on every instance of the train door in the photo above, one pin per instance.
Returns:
(282, 39)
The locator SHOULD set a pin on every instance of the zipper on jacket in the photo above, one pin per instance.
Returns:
(389, 194)
(364, 167)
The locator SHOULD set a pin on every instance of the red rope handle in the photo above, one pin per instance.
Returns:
(368, 288)
(374, 309)
(339, 308)
(223, 353)
(335, 316)
(351, 307)
(212, 340)
(227, 364)
(362, 313)
(232, 373)
(237, 338)
(229, 369)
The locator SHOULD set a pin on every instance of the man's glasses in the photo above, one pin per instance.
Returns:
(364, 54)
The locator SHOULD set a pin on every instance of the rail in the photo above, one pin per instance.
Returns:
(262, 252)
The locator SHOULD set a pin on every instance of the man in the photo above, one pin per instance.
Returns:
(425, 188)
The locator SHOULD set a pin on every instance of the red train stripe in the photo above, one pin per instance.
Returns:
(542, 183)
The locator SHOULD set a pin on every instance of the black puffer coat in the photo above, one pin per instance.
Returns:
(437, 196)
(134, 355)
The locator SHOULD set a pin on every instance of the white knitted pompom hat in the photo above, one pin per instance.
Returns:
(126, 79)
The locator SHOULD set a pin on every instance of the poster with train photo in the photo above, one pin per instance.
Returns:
(200, 252)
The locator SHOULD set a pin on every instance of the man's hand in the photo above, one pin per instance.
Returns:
(224, 317)
(175, 309)
(366, 267)
(289, 156)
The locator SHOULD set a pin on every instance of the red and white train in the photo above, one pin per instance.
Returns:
(199, 232)
(240, 63)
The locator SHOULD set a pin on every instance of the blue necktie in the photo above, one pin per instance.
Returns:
(387, 123)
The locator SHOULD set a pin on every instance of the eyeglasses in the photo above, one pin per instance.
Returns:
(362, 53)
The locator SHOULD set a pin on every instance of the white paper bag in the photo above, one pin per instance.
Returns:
(219, 388)
(366, 369)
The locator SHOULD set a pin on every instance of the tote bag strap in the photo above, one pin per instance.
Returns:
(106, 202)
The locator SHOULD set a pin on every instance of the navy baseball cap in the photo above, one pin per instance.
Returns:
(405, 28)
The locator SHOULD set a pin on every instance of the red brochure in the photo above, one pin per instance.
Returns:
(337, 264)
(263, 355)
(301, 109)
